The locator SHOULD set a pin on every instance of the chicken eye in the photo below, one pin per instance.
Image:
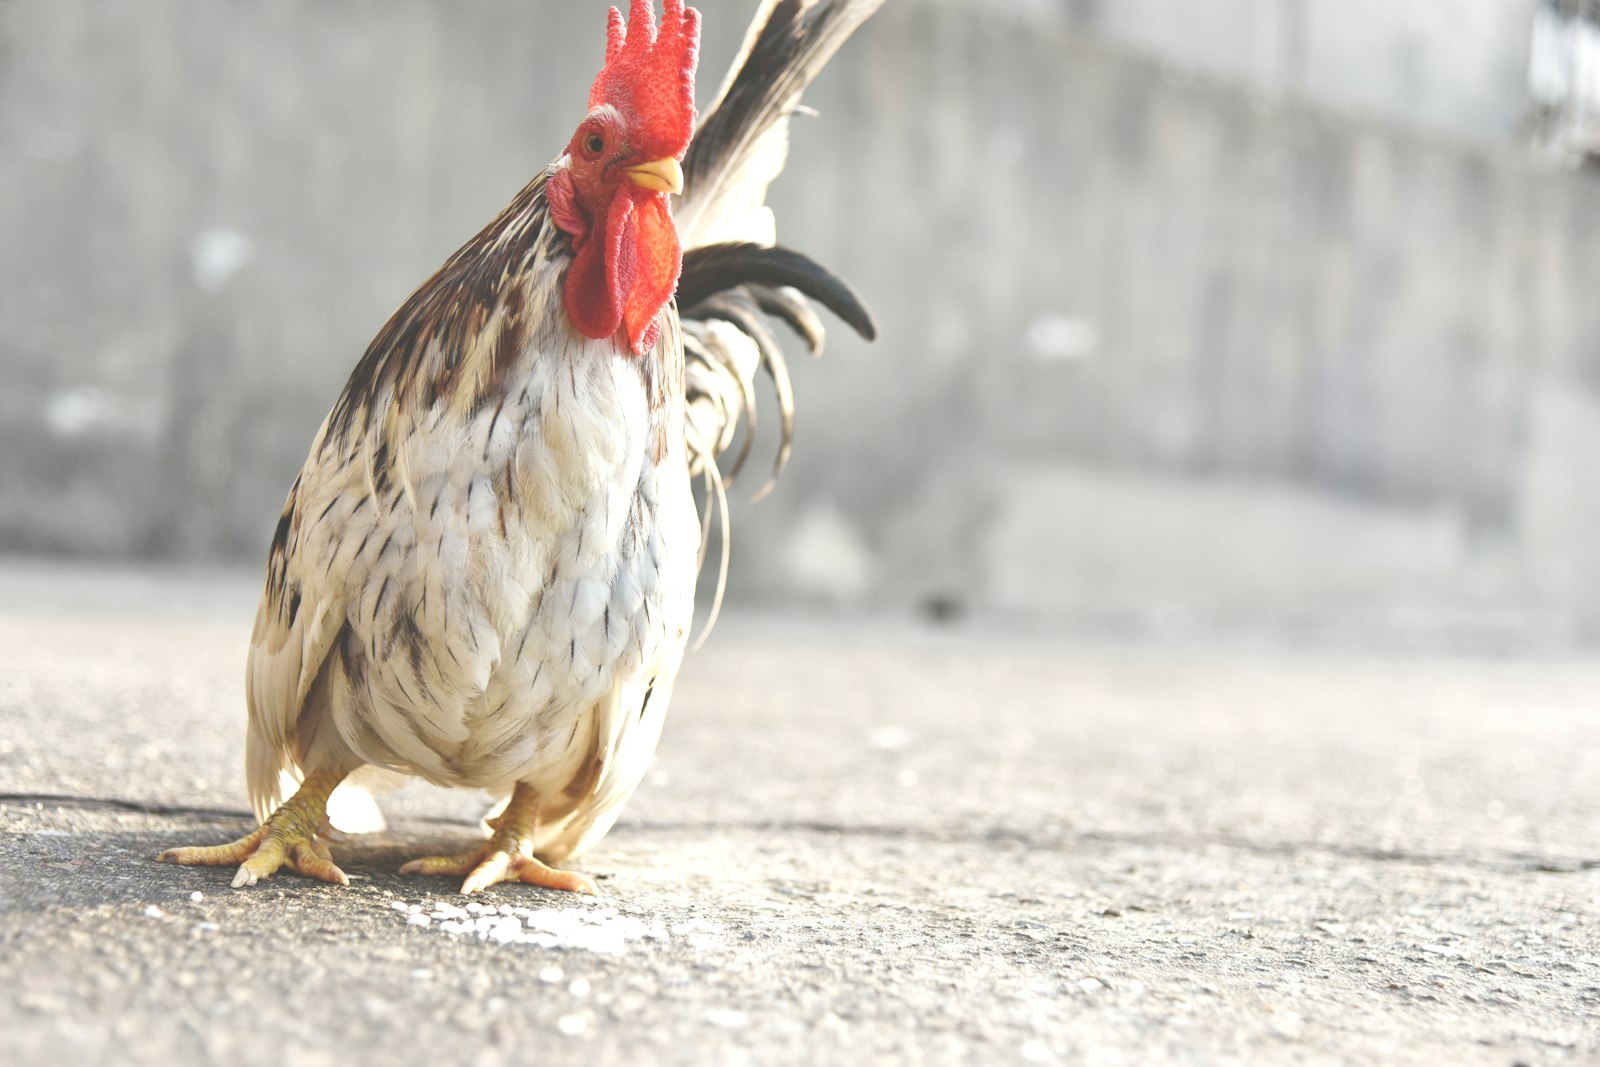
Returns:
(594, 144)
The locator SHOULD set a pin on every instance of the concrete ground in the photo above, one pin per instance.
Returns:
(861, 843)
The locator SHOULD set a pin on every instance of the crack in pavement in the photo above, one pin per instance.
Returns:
(1046, 840)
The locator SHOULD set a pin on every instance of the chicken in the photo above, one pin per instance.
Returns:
(484, 574)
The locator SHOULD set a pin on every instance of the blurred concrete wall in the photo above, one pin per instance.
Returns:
(1152, 341)
(1460, 66)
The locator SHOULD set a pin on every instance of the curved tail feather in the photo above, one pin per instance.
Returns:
(735, 276)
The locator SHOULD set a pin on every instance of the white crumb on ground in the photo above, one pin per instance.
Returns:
(595, 927)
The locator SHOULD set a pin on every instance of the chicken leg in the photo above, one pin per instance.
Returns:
(289, 838)
(508, 854)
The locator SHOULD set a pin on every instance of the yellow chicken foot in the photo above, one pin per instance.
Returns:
(289, 838)
(507, 856)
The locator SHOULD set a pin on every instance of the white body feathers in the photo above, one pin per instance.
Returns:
(509, 605)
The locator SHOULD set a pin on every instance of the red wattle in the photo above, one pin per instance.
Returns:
(624, 271)
(659, 260)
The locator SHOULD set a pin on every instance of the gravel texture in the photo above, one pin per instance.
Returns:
(862, 842)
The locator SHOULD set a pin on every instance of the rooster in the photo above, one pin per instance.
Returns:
(484, 575)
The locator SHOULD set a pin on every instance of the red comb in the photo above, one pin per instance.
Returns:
(649, 76)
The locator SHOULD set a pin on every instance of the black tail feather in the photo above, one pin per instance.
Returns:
(716, 268)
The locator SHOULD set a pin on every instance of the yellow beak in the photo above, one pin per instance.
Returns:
(661, 175)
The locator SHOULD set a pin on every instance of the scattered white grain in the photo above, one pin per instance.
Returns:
(699, 933)
(152, 912)
(727, 1018)
(584, 925)
(572, 1025)
(551, 975)
(421, 974)
(580, 987)
(1035, 1051)
(889, 738)
(197, 896)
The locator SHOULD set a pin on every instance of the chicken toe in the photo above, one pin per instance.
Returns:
(289, 838)
(507, 856)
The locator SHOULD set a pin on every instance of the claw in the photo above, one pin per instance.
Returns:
(506, 857)
(490, 872)
(492, 865)
(286, 839)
